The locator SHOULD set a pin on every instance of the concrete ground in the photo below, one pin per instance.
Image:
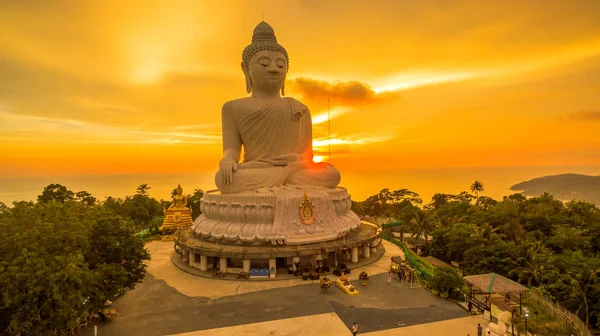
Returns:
(172, 302)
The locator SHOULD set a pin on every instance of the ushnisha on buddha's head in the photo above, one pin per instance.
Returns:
(265, 63)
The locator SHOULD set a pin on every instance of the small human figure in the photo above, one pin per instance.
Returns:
(354, 329)
(479, 329)
(390, 278)
(470, 307)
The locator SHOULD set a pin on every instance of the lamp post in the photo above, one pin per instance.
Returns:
(526, 317)
(537, 321)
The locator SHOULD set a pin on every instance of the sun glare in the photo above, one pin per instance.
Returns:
(318, 158)
(416, 79)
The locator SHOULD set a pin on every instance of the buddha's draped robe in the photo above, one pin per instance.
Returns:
(277, 141)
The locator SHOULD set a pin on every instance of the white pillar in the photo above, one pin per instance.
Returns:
(203, 263)
(223, 264)
(355, 254)
(366, 251)
(246, 265)
(191, 258)
(295, 260)
(374, 248)
(273, 265)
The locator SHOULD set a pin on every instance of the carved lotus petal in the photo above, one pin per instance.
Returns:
(264, 230)
(219, 229)
(248, 232)
(233, 231)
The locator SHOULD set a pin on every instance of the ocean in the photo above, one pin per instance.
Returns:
(361, 184)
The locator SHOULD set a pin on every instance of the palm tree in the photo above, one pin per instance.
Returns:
(537, 261)
(476, 188)
(584, 284)
(421, 223)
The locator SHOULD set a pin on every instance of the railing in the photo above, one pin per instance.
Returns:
(408, 254)
(560, 312)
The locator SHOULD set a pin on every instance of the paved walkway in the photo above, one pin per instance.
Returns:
(161, 267)
(330, 324)
(172, 302)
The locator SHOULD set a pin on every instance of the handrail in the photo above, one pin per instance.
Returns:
(562, 312)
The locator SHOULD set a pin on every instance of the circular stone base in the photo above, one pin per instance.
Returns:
(210, 274)
(186, 240)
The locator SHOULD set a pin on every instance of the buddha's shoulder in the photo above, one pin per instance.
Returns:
(297, 103)
(240, 104)
(249, 103)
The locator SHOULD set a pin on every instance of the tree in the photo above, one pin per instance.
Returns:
(85, 198)
(59, 261)
(194, 203)
(476, 188)
(3, 208)
(485, 203)
(143, 189)
(536, 262)
(446, 279)
(43, 276)
(116, 255)
(583, 277)
(55, 192)
(421, 223)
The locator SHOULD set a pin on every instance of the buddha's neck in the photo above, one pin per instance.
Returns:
(266, 95)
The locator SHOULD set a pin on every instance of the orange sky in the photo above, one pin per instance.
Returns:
(137, 86)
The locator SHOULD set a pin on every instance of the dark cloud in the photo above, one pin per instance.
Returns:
(352, 92)
(585, 115)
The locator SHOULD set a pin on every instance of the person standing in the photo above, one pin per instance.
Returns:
(479, 329)
(389, 278)
(354, 329)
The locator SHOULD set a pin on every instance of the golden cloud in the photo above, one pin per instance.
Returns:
(348, 93)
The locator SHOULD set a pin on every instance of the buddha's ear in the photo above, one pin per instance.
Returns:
(247, 76)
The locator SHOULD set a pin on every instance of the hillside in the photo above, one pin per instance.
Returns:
(563, 186)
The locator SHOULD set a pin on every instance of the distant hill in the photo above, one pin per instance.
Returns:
(564, 187)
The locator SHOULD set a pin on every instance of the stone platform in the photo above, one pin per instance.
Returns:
(281, 272)
(276, 216)
(207, 255)
(186, 240)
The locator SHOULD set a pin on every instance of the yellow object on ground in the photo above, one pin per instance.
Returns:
(346, 289)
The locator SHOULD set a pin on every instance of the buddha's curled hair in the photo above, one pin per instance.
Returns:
(263, 38)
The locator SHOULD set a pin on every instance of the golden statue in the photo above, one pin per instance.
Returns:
(178, 215)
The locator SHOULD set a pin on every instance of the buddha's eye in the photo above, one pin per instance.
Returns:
(264, 63)
(280, 64)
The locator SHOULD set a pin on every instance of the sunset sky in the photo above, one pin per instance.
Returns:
(95, 87)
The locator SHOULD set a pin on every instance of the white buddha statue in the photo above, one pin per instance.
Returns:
(276, 194)
(274, 131)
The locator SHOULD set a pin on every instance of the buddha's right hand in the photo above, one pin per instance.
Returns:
(227, 166)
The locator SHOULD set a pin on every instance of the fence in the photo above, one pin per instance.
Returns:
(561, 312)
(415, 262)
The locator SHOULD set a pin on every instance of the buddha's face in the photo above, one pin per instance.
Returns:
(267, 71)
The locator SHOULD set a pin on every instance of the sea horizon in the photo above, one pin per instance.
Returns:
(360, 184)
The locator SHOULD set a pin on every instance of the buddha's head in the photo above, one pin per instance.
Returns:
(179, 190)
(265, 62)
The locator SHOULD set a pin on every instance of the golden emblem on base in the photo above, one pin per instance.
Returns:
(307, 210)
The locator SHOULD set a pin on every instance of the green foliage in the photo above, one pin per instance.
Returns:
(477, 187)
(60, 258)
(446, 279)
(56, 192)
(540, 242)
(194, 202)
